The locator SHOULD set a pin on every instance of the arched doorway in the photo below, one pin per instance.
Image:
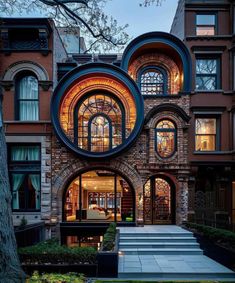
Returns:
(99, 196)
(159, 201)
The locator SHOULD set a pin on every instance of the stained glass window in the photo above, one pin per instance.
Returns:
(152, 82)
(205, 134)
(162, 199)
(101, 121)
(165, 138)
(206, 74)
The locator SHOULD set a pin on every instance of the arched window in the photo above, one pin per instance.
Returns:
(165, 138)
(153, 81)
(99, 123)
(27, 98)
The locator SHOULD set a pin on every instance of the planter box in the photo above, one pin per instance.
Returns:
(216, 252)
(89, 270)
(108, 261)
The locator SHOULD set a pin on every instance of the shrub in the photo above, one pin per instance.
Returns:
(56, 278)
(52, 252)
(109, 238)
(214, 234)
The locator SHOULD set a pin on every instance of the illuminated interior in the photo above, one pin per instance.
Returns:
(98, 113)
(205, 134)
(165, 138)
(99, 196)
(157, 201)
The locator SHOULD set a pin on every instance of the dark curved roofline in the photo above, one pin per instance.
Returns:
(168, 39)
(167, 107)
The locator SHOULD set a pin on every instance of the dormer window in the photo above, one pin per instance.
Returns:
(153, 81)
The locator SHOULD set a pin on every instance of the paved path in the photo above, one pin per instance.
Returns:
(173, 254)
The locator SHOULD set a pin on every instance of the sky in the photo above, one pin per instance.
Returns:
(142, 19)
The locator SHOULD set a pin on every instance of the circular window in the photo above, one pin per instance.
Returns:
(94, 110)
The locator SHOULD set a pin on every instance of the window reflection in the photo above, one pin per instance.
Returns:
(165, 138)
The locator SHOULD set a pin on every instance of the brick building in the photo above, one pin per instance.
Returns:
(145, 137)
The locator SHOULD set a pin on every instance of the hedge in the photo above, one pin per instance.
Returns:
(53, 253)
(214, 234)
(109, 238)
(56, 278)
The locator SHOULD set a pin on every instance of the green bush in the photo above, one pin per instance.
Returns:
(52, 252)
(56, 278)
(109, 238)
(214, 234)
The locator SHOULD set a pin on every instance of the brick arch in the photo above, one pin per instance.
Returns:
(71, 171)
(161, 60)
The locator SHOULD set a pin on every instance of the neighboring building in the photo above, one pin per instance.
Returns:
(113, 139)
(207, 28)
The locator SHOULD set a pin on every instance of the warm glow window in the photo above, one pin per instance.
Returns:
(27, 98)
(165, 138)
(153, 82)
(205, 134)
(207, 77)
(205, 25)
(99, 123)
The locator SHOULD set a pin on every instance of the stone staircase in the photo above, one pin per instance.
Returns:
(165, 252)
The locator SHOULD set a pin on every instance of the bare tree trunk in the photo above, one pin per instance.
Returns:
(10, 268)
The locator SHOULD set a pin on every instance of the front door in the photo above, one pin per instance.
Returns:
(158, 202)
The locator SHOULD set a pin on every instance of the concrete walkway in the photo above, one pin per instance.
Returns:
(165, 252)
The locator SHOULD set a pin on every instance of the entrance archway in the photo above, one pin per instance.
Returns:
(159, 201)
(99, 196)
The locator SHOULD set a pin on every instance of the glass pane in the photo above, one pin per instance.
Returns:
(206, 66)
(165, 124)
(205, 19)
(165, 143)
(28, 110)
(25, 153)
(205, 126)
(152, 82)
(202, 30)
(28, 88)
(205, 142)
(206, 83)
(162, 200)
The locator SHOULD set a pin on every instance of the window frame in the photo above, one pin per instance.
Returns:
(165, 79)
(75, 117)
(24, 167)
(217, 76)
(170, 130)
(217, 134)
(215, 14)
(17, 80)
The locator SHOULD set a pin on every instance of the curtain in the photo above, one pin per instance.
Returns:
(17, 180)
(35, 179)
(28, 96)
(25, 153)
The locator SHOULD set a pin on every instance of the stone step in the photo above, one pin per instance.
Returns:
(227, 276)
(150, 245)
(156, 234)
(158, 239)
(161, 251)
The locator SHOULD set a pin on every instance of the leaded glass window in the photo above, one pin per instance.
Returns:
(152, 82)
(27, 97)
(207, 74)
(165, 138)
(99, 123)
(205, 134)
